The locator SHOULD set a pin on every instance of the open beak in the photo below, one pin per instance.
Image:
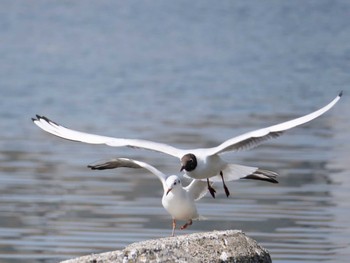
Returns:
(167, 192)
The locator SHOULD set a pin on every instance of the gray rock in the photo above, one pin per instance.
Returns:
(216, 246)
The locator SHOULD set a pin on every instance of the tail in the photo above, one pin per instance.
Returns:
(235, 172)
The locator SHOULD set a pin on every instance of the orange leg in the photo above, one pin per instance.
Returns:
(189, 222)
(174, 226)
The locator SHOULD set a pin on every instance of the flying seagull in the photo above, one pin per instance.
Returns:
(202, 163)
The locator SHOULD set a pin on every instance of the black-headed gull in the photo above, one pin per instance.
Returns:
(203, 163)
(179, 201)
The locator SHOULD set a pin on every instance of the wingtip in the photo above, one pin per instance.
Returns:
(96, 167)
(46, 119)
(38, 118)
(340, 93)
(91, 167)
(35, 119)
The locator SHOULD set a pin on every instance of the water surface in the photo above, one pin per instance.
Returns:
(190, 74)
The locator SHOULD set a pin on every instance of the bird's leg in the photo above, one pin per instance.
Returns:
(189, 222)
(227, 192)
(211, 189)
(174, 226)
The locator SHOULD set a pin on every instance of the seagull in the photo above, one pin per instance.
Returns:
(177, 200)
(202, 163)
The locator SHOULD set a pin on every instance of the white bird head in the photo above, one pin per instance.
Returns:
(172, 182)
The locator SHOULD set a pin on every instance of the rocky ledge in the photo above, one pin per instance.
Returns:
(216, 246)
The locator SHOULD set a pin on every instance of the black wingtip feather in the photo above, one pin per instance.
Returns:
(92, 167)
(266, 179)
(340, 94)
(105, 165)
(41, 117)
(45, 119)
(97, 167)
(36, 119)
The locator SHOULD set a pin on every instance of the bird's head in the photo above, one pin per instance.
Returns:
(172, 182)
(188, 162)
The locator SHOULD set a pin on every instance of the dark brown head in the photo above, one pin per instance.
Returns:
(188, 162)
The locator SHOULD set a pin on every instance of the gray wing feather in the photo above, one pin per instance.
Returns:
(129, 163)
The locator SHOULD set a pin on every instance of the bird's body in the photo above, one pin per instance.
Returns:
(207, 165)
(177, 200)
(179, 203)
(204, 163)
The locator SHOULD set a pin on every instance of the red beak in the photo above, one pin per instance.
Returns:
(182, 167)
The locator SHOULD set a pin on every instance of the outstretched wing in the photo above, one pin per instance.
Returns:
(254, 138)
(65, 133)
(128, 163)
(244, 141)
(197, 188)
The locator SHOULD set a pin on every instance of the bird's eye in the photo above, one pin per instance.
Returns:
(175, 183)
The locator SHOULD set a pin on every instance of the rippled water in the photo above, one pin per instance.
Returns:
(191, 74)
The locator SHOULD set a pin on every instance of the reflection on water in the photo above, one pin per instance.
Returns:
(192, 80)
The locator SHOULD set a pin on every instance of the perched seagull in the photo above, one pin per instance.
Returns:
(202, 163)
(177, 200)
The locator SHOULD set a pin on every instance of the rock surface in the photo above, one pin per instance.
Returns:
(216, 246)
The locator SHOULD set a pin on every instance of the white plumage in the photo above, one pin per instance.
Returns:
(201, 163)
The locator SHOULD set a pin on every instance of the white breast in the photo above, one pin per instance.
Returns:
(180, 206)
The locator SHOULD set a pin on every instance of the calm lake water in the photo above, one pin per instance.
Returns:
(190, 74)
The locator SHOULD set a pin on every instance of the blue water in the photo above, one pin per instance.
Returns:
(190, 74)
